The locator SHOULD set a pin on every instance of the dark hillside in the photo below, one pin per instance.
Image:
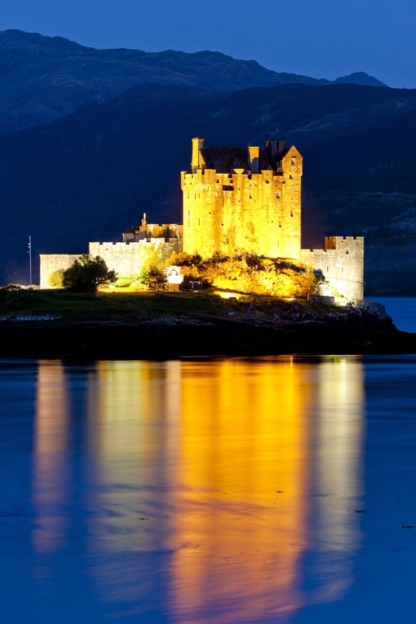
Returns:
(43, 78)
(92, 174)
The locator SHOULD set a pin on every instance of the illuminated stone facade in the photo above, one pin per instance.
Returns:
(249, 200)
(126, 258)
(243, 199)
(235, 200)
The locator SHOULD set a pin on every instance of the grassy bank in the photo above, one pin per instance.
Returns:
(131, 307)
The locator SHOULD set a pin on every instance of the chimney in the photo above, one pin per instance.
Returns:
(197, 145)
(253, 158)
(272, 147)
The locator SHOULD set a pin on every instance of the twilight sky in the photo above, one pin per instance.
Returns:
(320, 38)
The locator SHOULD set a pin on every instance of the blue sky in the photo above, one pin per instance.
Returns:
(320, 38)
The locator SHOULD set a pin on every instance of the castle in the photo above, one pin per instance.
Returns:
(236, 200)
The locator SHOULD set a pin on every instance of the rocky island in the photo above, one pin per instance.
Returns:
(56, 324)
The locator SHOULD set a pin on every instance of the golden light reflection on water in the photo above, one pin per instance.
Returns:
(226, 472)
(244, 464)
(51, 466)
(338, 411)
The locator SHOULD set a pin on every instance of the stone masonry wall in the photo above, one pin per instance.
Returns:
(257, 212)
(342, 263)
(128, 258)
(49, 263)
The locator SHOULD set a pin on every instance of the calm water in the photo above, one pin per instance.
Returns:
(271, 490)
(402, 310)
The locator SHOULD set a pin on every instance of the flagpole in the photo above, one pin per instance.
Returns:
(30, 262)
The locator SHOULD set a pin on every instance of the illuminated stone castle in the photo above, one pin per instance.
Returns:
(243, 199)
(235, 200)
(249, 200)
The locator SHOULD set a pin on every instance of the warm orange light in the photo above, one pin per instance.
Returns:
(237, 541)
(50, 468)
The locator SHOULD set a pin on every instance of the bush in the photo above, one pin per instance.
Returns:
(251, 274)
(154, 278)
(87, 274)
(56, 279)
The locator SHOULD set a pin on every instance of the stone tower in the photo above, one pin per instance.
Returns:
(243, 200)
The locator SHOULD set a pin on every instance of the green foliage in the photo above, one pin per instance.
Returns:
(186, 260)
(87, 274)
(56, 279)
(155, 278)
(249, 273)
(10, 288)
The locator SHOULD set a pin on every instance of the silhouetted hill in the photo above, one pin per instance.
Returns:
(90, 175)
(44, 78)
(360, 78)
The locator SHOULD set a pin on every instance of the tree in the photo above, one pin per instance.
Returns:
(56, 278)
(87, 274)
(155, 278)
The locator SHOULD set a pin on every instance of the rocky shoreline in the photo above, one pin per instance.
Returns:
(162, 337)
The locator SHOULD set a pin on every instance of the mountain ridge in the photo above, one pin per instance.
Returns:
(92, 174)
(44, 78)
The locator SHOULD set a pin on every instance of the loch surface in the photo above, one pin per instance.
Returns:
(223, 491)
(402, 310)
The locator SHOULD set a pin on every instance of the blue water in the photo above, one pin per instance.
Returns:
(402, 310)
(227, 491)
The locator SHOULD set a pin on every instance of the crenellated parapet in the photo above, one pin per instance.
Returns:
(242, 199)
(342, 264)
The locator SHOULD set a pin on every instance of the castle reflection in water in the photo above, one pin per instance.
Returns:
(236, 479)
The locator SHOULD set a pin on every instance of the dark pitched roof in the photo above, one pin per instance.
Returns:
(132, 229)
(226, 159)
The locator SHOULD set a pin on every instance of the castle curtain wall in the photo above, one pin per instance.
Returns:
(342, 264)
(49, 263)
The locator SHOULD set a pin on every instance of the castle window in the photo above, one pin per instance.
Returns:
(347, 252)
(280, 224)
(290, 177)
(251, 197)
(277, 195)
(291, 213)
(293, 162)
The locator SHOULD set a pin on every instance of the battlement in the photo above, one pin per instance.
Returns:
(344, 242)
(147, 231)
(242, 199)
(342, 263)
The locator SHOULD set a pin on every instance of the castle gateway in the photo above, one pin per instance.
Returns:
(249, 200)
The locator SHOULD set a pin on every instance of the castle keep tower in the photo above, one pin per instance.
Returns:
(243, 199)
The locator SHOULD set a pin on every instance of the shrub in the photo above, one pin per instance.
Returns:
(56, 279)
(252, 274)
(87, 274)
(154, 278)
